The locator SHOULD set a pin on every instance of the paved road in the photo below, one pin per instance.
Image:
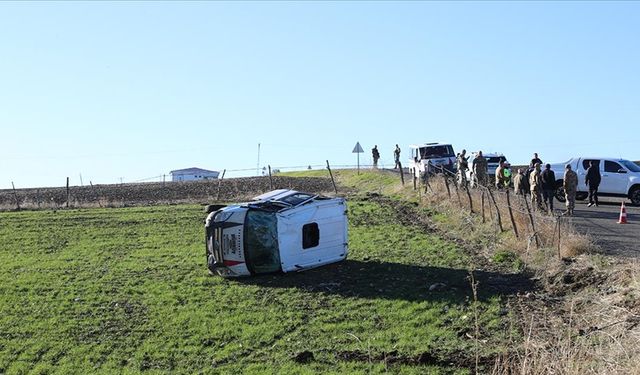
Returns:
(602, 224)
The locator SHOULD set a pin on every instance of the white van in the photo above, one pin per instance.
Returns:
(283, 230)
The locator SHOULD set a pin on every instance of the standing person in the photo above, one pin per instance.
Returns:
(593, 181)
(376, 156)
(570, 185)
(519, 187)
(548, 178)
(535, 160)
(463, 166)
(535, 185)
(500, 175)
(479, 166)
(396, 157)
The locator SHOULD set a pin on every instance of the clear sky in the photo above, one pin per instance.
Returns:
(133, 90)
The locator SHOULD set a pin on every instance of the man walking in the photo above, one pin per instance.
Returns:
(535, 185)
(479, 166)
(548, 178)
(570, 185)
(396, 157)
(376, 156)
(593, 181)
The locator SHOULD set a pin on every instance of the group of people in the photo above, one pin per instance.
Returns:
(376, 156)
(541, 184)
(480, 170)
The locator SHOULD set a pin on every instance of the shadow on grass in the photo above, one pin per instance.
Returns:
(395, 281)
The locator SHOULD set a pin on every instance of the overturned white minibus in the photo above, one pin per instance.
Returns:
(283, 230)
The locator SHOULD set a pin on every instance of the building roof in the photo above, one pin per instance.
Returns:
(193, 170)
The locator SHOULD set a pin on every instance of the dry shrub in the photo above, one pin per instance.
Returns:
(595, 330)
(573, 244)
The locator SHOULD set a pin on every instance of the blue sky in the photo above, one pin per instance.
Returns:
(133, 90)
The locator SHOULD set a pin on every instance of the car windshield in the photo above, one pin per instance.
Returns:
(633, 167)
(494, 159)
(261, 249)
(436, 152)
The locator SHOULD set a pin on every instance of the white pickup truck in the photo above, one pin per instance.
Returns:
(620, 178)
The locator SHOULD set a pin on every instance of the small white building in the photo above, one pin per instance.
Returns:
(193, 174)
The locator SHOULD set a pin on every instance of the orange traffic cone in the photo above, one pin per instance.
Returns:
(623, 214)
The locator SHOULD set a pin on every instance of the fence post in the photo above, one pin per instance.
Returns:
(414, 179)
(456, 187)
(38, 197)
(482, 202)
(559, 254)
(533, 225)
(446, 183)
(470, 200)
(15, 194)
(270, 178)
(401, 172)
(332, 180)
(513, 222)
(219, 184)
(67, 192)
(497, 209)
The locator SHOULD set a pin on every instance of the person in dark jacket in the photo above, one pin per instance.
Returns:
(548, 186)
(593, 181)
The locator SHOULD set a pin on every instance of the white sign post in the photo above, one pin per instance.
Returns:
(358, 150)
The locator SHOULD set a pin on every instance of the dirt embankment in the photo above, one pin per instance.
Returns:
(233, 189)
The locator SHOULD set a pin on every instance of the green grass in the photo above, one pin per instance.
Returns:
(126, 290)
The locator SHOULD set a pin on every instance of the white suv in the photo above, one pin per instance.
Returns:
(427, 156)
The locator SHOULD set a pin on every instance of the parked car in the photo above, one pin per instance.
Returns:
(620, 178)
(280, 231)
(428, 157)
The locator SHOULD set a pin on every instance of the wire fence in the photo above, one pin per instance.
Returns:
(537, 226)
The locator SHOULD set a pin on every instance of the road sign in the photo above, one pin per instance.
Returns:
(358, 150)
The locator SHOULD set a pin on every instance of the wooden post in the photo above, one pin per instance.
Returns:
(533, 225)
(414, 180)
(270, 178)
(15, 194)
(67, 192)
(482, 200)
(401, 173)
(455, 186)
(470, 200)
(219, 185)
(513, 221)
(332, 180)
(559, 253)
(38, 197)
(495, 204)
(446, 183)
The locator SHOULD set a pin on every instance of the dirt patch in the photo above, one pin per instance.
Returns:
(144, 194)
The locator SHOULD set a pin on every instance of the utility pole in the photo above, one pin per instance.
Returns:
(258, 165)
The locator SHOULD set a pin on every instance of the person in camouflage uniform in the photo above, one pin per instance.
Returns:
(480, 169)
(535, 186)
(519, 187)
(570, 185)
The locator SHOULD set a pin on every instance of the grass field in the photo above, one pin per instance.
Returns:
(127, 290)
